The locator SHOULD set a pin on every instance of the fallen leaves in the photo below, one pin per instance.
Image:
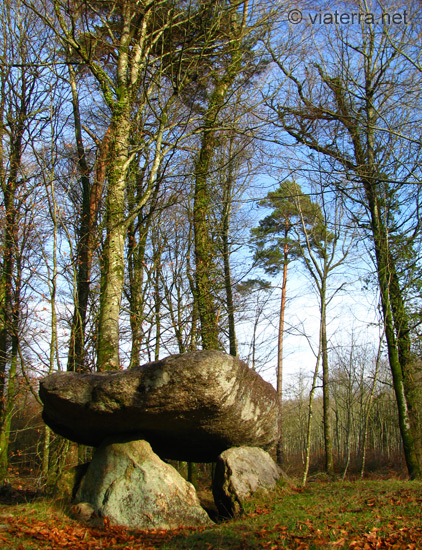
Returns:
(56, 536)
(259, 511)
(339, 542)
(76, 537)
(329, 517)
(371, 502)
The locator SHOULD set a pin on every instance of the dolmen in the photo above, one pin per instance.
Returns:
(186, 407)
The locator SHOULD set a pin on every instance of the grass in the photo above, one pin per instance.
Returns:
(352, 515)
(371, 514)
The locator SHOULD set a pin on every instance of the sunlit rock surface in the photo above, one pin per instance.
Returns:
(131, 486)
(241, 472)
(188, 407)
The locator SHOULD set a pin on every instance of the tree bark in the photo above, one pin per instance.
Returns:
(329, 462)
(136, 259)
(309, 422)
(108, 357)
(10, 187)
(205, 249)
(280, 443)
(205, 252)
(406, 408)
(7, 414)
(87, 240)
(227, 207)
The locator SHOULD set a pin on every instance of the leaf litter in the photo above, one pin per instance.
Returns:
(319, 520)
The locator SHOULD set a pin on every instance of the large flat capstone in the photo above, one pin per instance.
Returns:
(190, 407)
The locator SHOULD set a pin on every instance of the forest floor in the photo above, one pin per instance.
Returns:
(372, 514)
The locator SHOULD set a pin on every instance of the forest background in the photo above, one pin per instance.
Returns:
(233, 175)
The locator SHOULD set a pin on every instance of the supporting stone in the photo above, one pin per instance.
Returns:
(129, 484)
(240, 473)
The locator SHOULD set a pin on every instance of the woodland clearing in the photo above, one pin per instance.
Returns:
(369, 514)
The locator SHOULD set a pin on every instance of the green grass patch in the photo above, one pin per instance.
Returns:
(368, 514)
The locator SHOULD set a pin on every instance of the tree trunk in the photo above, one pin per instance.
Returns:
(385, 271)
(156, 275)
(9, 402)
(329, 462)
(108, 357)
(77, 335)
(396, 329)
(204, 246)
(7, 413)
(10, 188)
(193, 340)
(280, 451)
(227, 199)
(369, 408)
(136, 259)
(309, 423)
(87, 236)
(45, 464)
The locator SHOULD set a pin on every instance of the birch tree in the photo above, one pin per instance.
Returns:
(131, 50)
